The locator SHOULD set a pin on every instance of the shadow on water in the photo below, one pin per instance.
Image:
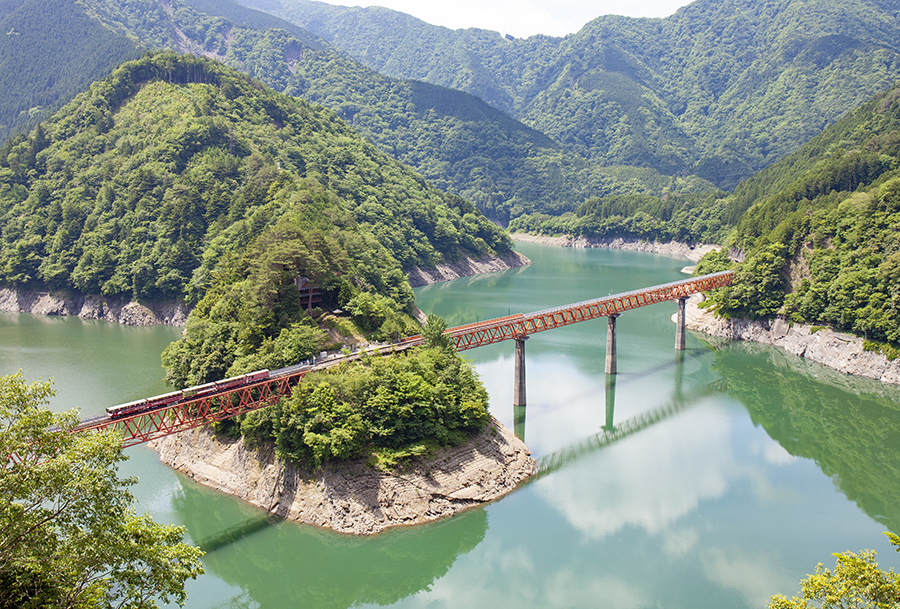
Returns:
(850, 426)
(284, 564)
(237, 532)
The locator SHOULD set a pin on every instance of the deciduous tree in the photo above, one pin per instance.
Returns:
(69, 536)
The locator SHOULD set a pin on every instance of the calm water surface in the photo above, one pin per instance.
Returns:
(758, 465)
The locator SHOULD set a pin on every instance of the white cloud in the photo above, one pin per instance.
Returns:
(523, 18)
(691, 462)
(754, 577)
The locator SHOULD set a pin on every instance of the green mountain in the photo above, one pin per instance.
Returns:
(140, 186)
(821, 231)
(720, 89)
(453, 139)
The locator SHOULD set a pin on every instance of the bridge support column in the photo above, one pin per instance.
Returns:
(610, 425)
(679, 325)
(519, 383)
(611, 344)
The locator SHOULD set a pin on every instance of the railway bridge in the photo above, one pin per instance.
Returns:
(145, 420)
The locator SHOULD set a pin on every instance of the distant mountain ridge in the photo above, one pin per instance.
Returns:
(454, 139)
(720, 89)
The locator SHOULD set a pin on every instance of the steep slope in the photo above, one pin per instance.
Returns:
(454, 139)
(822, 237)
(140, 186)
(49, 51)
(720, 89)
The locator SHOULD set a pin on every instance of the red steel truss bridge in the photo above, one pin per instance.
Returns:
(216, 403)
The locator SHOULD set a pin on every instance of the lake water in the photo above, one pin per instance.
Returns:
(756, 467)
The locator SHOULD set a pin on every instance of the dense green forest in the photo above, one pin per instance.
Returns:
(690, 218)
(387, 408)
(48, 53)
(455, 140)
(720, 89)
(141, 185)
(821, 239)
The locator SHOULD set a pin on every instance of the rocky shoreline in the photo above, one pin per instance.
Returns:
(671, 248)
(352, 497)
(129, 313)
(465, 267)
(836, 350)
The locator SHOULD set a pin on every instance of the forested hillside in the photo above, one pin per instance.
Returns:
(454, 139)
(720, 89)
(823, 236)
(49, 51)
(141, 185)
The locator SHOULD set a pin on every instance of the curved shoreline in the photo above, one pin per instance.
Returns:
(670, 248)
(836, 350)
(351, 497)
(131, 313)
(465, 267)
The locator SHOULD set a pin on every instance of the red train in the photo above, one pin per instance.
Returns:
(145, 404)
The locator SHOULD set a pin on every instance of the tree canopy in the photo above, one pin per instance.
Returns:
(856, 582)
(69, 536)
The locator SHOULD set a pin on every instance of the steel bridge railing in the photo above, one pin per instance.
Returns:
(190, 413)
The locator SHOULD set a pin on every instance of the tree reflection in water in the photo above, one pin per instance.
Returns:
(850, 426)
(293, 565)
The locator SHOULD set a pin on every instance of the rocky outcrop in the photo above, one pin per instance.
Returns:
(671, 248)
(465, 267)
(17, 300)
(836, 350)
(352, 497)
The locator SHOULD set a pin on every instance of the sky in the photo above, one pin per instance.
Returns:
(522, 18)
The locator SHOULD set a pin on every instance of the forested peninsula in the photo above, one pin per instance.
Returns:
(177, 179)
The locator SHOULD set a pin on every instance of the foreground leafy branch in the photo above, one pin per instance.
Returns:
(855, 583)
(69, 536)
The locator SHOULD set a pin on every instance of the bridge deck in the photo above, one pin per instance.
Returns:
(193, 412)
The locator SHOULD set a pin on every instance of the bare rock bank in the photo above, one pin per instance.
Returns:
(671, 248)
(465, 267)
(352, 497)
(130, 313)
(842, 352)
(17, 300)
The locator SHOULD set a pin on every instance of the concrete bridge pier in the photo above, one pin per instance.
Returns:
(679, 325)
(611, 344)
(519, 422)
(609, 424)
(519, 383)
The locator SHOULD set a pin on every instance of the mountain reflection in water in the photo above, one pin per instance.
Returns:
(850, 426)
(319, 568)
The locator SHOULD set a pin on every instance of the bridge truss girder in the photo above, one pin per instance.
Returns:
(190, 413)
(513, 326)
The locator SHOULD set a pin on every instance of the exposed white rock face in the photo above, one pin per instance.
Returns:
(352, 497)
(465, 267)
(836, 350)
(671, 248)
(16, 300)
